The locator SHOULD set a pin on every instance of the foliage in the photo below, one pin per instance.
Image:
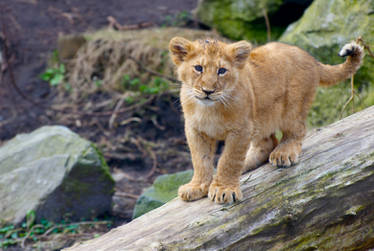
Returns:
(134, 85)
(179, 19)
(29, 230)
(54, 75)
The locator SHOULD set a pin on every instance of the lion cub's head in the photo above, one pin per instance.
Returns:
(209, 68)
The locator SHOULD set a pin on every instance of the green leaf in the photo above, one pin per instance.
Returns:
(46, 76)
(157, 81)
(44, 222)
(153, 90)
(68, 87)
(7, 243)
(62, 68)
(143, 88)
(6, 229)
(14, 235)
(30, 219)
(98, 83)
(126, 77)
(135, 82)
(57, 79)
(129, 100)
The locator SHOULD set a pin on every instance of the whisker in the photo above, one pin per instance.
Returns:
(227, 99)
(223, 101)
(190, 96)
(228, 105)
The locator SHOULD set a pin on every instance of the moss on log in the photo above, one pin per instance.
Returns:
(324, 203)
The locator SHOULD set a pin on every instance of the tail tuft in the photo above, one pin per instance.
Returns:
(351, 49)
(332, 74)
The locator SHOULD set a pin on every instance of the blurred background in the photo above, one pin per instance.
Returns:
(90, 91)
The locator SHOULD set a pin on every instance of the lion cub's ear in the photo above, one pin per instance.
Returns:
(180, 48)
(239, 52)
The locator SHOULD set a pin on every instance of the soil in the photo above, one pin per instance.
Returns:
(150, 143)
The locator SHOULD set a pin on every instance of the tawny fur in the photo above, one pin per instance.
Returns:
(263, 90)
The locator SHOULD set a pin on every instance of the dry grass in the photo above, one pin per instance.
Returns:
(108, 55)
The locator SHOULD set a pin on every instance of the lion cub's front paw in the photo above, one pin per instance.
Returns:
(192, 191)
(284, 156)
(224, 194)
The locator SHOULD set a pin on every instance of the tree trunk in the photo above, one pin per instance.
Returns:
(326, 202)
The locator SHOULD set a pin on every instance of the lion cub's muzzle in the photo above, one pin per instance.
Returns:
(206, 94)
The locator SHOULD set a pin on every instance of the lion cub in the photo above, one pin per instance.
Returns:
(241, 95)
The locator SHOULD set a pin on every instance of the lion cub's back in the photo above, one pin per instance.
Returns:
(279, 64)
(281, 55)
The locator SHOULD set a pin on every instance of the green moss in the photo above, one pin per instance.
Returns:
(76, 188)
(353, 211)
(240, 19)
(164, 189)
(253, 31)
(104, 166)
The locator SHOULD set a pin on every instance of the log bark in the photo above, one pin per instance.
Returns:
(326, 202)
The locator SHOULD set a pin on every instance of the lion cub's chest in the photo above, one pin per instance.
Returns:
(209, 122)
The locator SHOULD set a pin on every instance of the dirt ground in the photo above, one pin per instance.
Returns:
(30, 29)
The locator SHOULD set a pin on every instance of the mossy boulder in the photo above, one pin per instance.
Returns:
(244, 19)
(164, 189)
(55, 173)
(324, 28)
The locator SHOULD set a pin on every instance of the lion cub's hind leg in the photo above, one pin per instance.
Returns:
(287, 152)
(259, 152)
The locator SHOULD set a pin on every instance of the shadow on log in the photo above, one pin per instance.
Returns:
(326, 202)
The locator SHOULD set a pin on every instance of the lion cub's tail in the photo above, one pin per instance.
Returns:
(332, 74)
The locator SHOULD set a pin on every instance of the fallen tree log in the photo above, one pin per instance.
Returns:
(326, 202)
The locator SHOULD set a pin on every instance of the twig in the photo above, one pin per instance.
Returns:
(113, 24)
(130, 178)
(367, 47)
(71, 224)
(29, 233)
(359, 40)
(9, 65)
(146, 150)
(268, 28)
(11, 232)
(129, 120)
(154, 165)
(154, 72)
(115, 112)
(128, 195)
(154, 121)
(351, 98)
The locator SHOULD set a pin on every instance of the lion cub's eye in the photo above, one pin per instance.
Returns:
(198, 68)
(221, 71)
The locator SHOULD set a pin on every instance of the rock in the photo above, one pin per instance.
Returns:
(244, 19)
(164, 189)
(68, 45)
(55, 173)
(323, 29)
(328, 24)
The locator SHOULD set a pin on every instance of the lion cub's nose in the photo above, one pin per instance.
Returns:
(207, 92)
